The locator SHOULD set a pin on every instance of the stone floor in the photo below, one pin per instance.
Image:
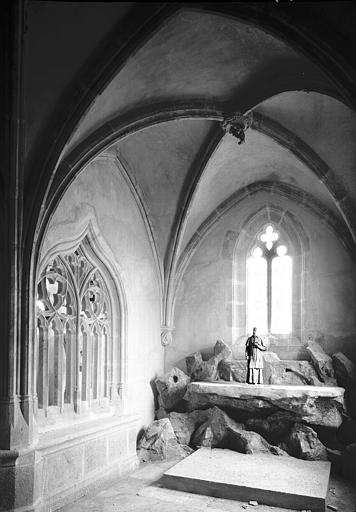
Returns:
(142, 492)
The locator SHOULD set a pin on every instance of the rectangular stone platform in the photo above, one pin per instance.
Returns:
(314, 405)
(268, 479)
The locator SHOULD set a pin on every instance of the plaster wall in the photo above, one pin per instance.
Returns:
(79, 452)
(101, 195)
(203, 310)
(234, 166)
(183, 60)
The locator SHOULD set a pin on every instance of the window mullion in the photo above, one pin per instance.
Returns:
(269, 292)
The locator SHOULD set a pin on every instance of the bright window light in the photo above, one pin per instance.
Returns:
(281, 321)
(257, 292)
(269, 237)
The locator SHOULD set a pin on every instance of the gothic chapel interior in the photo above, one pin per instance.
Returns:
(171, 174)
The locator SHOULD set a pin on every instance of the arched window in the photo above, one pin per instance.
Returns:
(76, 356)
(269, 284)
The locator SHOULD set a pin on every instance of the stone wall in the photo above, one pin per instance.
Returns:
(87, 455)
(75, 451)
(204, 306)
(100, 195)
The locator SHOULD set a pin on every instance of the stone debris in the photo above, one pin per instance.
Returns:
(253, 502)
(299, 422)
(332, 507)
(344, 370)
(322, 363)
(346, 377)
(185, 424)
(171, 388)
(222, 351)
(274, 428)
(302, 442)
(289, 372)
(220, 431)
(232, 370)
(207, 371)
(159, 442)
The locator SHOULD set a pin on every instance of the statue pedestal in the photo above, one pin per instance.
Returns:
(314, 405)
(268, 479)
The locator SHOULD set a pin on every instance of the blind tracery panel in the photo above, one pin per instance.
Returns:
(74, 330)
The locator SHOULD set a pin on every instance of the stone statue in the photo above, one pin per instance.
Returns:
(253, 353)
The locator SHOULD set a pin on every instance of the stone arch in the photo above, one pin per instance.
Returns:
(299, 249)
(97, 253)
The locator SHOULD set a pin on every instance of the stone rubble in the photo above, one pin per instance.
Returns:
(200, 370)
(302, 442)
(159, 442)
(171, 388)
(303, 404)
(308, 426)
(322, 362)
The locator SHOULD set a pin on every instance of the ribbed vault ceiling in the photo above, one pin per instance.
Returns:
(185, 168)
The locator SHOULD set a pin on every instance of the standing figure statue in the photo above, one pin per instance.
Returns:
(253, 353)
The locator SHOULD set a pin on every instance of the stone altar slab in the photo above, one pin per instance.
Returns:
(275, 481)
(315, 405)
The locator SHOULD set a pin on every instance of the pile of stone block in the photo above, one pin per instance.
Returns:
(318, 428)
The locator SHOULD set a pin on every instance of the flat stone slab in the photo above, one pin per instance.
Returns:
(316, 405)
(275, 481)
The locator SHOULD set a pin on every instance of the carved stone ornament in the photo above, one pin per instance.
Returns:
(166, 335)
(237, 124)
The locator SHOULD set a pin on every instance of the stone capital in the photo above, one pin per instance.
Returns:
(166, 335)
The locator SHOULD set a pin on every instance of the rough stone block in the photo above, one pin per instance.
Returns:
(171, 388)
(200, 370)
(315, 405)
(302, 442)
(185, 424)
(274, 428)
(344, 370)
(322, 362)
(233, 370)
(222, 351)
(220, 431)
(159, 442)
(291, 372)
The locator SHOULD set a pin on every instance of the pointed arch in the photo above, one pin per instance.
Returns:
(95, 348)
(294, 236)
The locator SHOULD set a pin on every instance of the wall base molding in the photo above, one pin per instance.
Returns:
(66, 465)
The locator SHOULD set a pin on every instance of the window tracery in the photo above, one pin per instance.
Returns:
(269, 284)
(74, 332)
